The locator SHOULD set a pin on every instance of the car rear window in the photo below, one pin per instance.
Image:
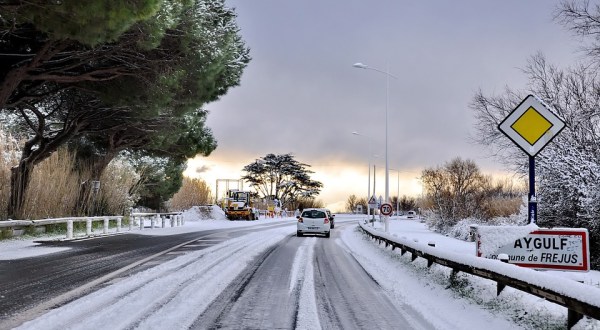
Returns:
(313, 214)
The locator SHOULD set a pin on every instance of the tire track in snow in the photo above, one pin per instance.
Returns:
(223, 303)
(307, 316)
(255, 301)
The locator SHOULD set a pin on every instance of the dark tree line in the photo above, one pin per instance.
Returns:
(104, 77)
(404, 203)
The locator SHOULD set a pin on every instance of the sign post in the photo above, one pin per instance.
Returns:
(531, 198)
(386, 210)
(372, 205)
(531, 126)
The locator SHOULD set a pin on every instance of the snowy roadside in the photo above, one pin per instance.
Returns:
(468, 302)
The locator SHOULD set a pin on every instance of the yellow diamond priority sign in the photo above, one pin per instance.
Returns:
(531, 125)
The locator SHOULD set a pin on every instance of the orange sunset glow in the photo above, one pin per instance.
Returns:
(340, 180)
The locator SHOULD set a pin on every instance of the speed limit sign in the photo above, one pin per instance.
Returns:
(386, 209)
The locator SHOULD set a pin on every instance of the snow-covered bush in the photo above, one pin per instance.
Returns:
(458, 190)
(118, 179)
(462, 228)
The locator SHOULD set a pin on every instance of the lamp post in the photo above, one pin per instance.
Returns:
(387, 87)
(369, 182)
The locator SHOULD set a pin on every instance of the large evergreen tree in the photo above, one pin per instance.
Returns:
(281, 177)
(140, 87)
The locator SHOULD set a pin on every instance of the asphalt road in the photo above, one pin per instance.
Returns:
(268, 294)
(31, 285)
(351, 299)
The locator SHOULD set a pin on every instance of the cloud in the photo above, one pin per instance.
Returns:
(301, 95)
(203, 169)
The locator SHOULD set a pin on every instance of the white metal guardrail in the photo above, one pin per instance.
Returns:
(175, 219)
(580, 299)
(136, 219)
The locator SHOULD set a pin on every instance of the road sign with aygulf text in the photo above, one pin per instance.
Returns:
(549, 249)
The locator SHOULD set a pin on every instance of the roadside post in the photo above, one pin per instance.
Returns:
(372, 205)
(531, 126)
(381, 217)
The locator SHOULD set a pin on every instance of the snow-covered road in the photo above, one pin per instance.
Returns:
(352, 298)
(272, 279)
(168, 296)
(265, 280)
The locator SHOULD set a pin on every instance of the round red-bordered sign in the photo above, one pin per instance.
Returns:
(386, 209)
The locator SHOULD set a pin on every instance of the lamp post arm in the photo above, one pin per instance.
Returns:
(381, 71)
(366, 67)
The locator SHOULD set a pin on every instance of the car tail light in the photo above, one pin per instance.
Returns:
(326, 221)
(300, 220)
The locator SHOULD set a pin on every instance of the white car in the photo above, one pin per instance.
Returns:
(313, 221)
(411, 214)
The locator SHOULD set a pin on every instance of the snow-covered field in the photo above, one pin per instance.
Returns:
(467, 303)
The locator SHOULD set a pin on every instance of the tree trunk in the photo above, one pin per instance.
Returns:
(19, 181)
(88, 203)
(10, 83)
(34, 151)
(83, 199)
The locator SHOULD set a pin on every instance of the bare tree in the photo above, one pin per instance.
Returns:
(453, 190)
(583, 19)
(351, 203)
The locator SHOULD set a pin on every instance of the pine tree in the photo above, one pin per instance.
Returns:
(281, 177)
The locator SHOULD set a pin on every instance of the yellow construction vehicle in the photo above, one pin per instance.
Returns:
(238, 205)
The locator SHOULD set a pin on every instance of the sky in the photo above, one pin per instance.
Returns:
(300, 93)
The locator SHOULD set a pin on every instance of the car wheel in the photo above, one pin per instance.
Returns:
(328, 234)
(299, 234)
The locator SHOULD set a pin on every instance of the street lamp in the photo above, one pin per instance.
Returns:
(387, 87)
(369, 183)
